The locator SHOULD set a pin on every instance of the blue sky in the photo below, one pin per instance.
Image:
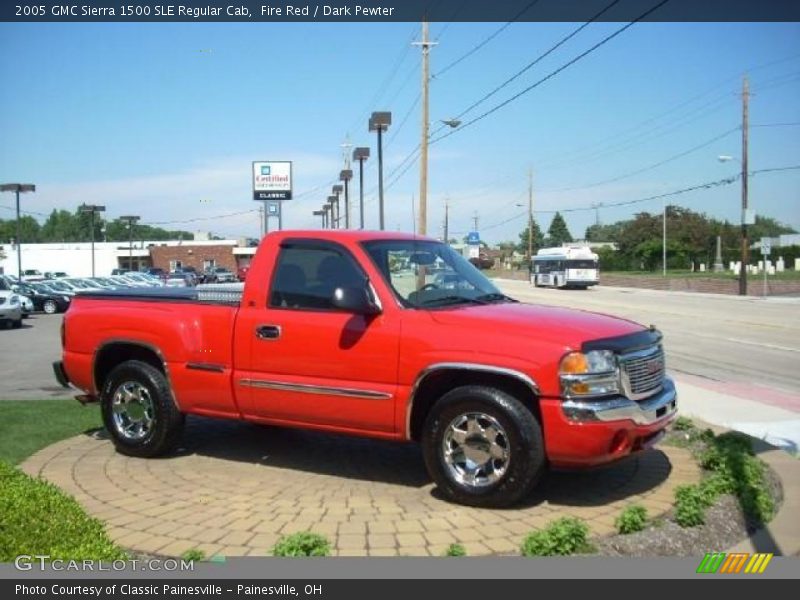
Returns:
(163, 120)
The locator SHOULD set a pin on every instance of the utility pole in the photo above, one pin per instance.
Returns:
(530, 215)
(475, 221)
(423, 156)
(261, 219)
(745, 244)
(131, 219)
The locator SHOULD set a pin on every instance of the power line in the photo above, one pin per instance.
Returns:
(648, 168)
(552, 74)
(475, 49)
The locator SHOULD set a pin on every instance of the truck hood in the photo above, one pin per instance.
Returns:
(561, 326)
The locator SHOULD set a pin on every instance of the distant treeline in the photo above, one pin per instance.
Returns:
(64, 226)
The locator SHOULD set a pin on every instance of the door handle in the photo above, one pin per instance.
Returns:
(268, 332)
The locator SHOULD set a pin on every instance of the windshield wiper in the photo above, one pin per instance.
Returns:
(496, 296)
(443, 300)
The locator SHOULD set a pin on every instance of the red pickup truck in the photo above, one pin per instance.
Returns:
(375, 334)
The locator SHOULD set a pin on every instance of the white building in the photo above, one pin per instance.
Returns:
(75, 258)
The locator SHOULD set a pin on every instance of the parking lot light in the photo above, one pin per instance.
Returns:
(361, 154)
(91, 209)
(333, 201)
(18, 188)
(131, 219)
(380, 121)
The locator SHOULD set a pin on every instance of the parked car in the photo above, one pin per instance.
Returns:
(44, 299)
(496, 391)
(32, 275)
(193, 273)
(157, 272)
(219, 275)
(10, 309)
(179, 279)
(55, 274)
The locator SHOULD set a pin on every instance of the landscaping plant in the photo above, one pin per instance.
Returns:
(563, 537)
(302, 544)
(631, 520)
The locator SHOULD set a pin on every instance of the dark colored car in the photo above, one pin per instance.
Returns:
(193, 273)
(43, 299)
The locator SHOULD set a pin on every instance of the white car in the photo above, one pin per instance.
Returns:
(10, 309)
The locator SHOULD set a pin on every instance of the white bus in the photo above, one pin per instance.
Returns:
(571, 266)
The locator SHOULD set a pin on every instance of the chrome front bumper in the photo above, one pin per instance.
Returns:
(661, 406)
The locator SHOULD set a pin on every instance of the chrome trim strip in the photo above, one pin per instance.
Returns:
(315, 389)
(526, 379)
(619, 408)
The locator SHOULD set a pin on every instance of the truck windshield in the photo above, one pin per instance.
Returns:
(425, 274)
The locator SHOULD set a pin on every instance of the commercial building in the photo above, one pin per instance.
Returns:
(75, 258)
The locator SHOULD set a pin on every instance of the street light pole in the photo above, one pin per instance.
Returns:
(380, 121)
(320, 213)
(361, 154)
(530, 216)
(745, 243)
(334, 218)
(131, 219)
(337, 190)
(346, 175)
(92, 209)
(18, 188)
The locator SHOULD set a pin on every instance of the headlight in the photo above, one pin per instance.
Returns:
(591, 374)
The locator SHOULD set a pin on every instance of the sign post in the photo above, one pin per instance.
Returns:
(272, 183)
(766, 249)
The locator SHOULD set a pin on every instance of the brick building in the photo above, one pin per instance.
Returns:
(201, 258)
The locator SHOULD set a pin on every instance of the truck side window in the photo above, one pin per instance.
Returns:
(306, 277)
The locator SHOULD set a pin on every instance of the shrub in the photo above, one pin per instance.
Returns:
(560, 538)
(302, 544)
(690, 505)
(455, 550)
(38, 518)
(631, 520)
(193, 554)
(683, 424)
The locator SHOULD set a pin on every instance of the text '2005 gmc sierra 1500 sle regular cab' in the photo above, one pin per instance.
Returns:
(375, 334)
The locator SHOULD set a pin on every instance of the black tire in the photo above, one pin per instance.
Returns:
(522, 437)
(17, 324)
(165, 420)
(50, 307)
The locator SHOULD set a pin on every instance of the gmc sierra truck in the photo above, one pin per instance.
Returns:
(374, 334)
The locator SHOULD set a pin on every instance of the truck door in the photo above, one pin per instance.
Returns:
(311, 363)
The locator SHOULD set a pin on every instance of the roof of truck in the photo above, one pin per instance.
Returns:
(347, 234)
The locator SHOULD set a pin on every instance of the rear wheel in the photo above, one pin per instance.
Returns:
(483, 447)
(50, 307)
(138, 410)
(17, 324)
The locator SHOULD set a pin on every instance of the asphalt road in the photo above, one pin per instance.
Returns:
(729, 339)
(737, 341)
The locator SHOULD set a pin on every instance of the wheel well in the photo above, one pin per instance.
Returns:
(114, 354)
(439, 382)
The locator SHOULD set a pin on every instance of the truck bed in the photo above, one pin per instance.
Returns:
(227, 294)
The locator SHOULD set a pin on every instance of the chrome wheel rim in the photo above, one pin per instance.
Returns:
(476, 449)
(50, 307)
(132, 410)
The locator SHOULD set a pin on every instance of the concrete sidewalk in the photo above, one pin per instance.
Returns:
(766, 414)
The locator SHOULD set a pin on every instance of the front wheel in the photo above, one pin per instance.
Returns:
(50, 307)
(483, 447)
(138, 410)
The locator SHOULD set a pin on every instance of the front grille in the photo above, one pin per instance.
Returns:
(643, 372)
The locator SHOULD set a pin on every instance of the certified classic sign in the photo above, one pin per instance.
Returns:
(272, 180)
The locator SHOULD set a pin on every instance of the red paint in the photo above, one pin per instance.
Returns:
(384, 355)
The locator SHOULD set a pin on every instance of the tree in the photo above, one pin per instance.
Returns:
(767, 227)
(604, 233)
(538, 238)
(558, 233)
(28, 226)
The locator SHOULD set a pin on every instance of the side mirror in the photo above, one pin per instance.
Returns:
(355, 300)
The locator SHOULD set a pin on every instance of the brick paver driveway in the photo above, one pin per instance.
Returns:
(235, 488)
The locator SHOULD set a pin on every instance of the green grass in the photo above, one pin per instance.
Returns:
(40, 519)
(29, 425)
